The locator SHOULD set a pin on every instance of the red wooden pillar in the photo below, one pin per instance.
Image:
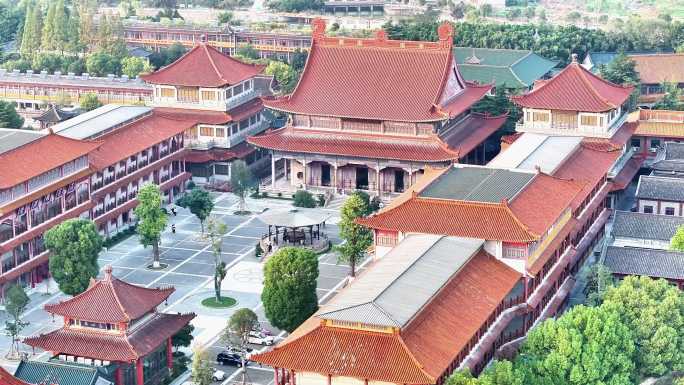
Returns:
(169, 354)
(139, 372)
(118, 376)
(275, 376)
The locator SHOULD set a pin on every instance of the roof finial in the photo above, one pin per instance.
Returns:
(381, 35)
(318, 28)
(108, 273)
(445, 31)
(574, 57)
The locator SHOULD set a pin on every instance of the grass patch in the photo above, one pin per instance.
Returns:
(224, 303)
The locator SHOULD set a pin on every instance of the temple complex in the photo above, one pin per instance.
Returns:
(495, 248)
(219, 95)
(353, 126)
(116, 325)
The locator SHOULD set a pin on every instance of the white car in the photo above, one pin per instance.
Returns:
(219, 375)
(259, 338)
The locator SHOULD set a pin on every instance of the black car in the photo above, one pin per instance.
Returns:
(229, 358)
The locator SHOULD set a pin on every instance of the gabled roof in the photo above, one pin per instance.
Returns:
(358, 78)
(648, 262)
(575, 89)
(401, 284)
(204, 66)
(466, 206)
(645, 226)
(421, 351)
(55, 114)
(660, 188)
(54, 150)
(7, 379)
(509, 67)
(111, 300)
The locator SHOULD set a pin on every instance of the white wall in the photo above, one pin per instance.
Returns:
(646, 243)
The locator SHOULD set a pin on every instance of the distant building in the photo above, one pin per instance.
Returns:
(54, 115)
(666, 264)
(654, 68)
(653, 129)
(517, 70)
(353, 126)
(115, 325)
(660, 195)
(669, 161)
(650, 231)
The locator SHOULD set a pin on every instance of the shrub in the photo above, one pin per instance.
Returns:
(258, 251)
(190, 185)
(321, 200)
(303, 198)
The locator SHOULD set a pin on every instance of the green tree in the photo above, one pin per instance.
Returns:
(672, 98)
(102, 64)
(357, 239)
(9, 118)
(622, 70)
(16, 302)
(599, 280)
(303, 198)
(90, 102)
(48, 35)
(573, 17)
(32, 31)
(677, 241)
(225, 17)
(289, 294)
(241, 182)
(60, 28)
(151, 219)
(500, 104)
(74, 246)
(134, 66)
(239, 325)
(486, 10)
(216, 231)
(202, 371)
(654, 312)
(200, 204)
(110, 37)
(248, 51)
(285, 75)
(183, 338)
(11, 18)
(585, 346)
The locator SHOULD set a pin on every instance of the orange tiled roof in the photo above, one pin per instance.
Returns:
(135, 137)
(659, 129)
(659, 68)
(351, 353)
(39, 156)
(418, 354)
(575, 89)
(111, 300)
(533, 210)
(7, 379)
(204, 66)
(357, 78)
(113, 347)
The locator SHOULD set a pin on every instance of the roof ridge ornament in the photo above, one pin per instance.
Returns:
(108, 273)
(445, 31)
(318, 28)
(381, 35)
(574, 57)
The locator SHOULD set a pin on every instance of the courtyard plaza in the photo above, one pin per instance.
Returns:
(190, 270)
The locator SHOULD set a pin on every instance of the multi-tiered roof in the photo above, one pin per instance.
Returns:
(382, 80)
(136, 328)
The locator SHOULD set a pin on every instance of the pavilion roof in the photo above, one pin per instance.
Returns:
(54, 150)
(357, 78)
(111, 300)
(575, 89)
(135, 343)
(204, 66)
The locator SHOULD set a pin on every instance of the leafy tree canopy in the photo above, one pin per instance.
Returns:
(134, 66)
(357, 238)
(289, 294)
(75, 245)
(90, 102)
(199, 202)
(151, 218)
(622, 70)
(9, 118)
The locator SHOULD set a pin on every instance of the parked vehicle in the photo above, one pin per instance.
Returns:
(230, 358)
(260, 338)
(219, 375)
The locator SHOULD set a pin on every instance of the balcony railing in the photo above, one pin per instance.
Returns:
(624, 158)
(242, 98)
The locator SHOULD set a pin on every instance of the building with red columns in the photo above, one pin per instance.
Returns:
(371, 114)
(114, 323)
(220, 96)
(44, 181)
(531, 216)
